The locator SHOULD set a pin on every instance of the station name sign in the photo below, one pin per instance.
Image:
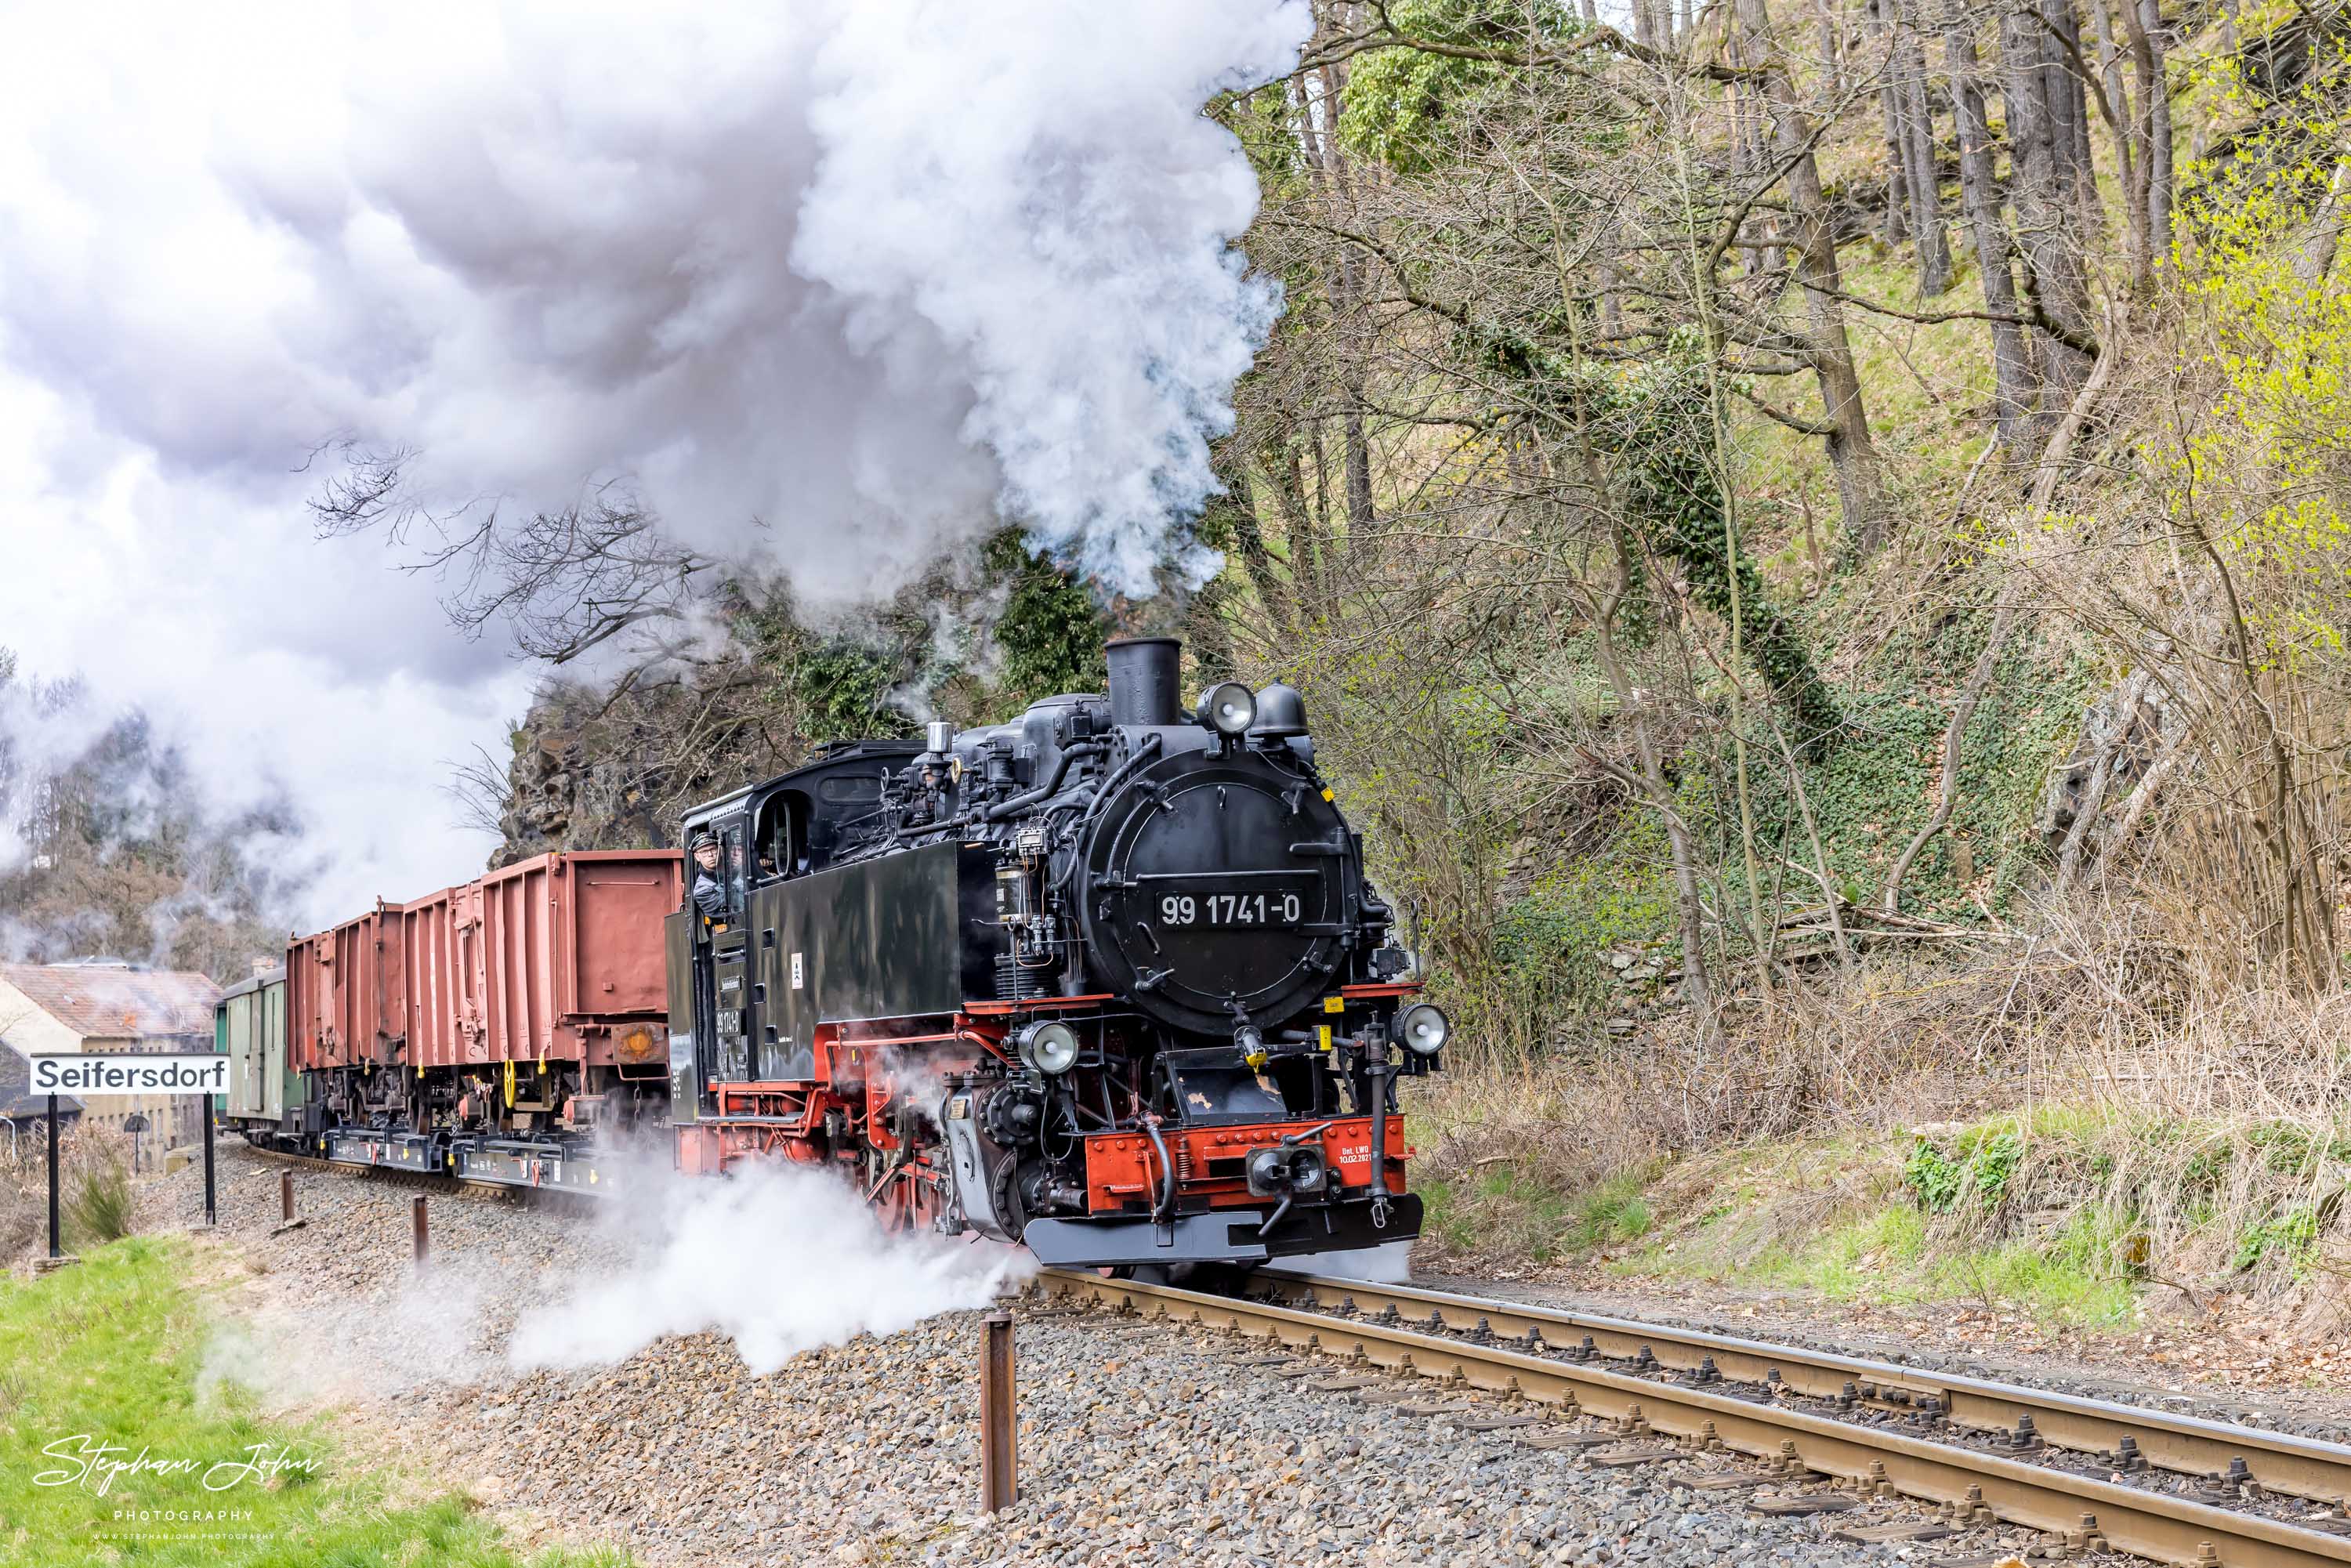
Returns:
(131, 1073)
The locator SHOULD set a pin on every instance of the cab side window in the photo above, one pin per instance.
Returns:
(733, 868)
(780, 843)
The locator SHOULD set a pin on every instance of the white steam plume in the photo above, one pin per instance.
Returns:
(1061, 232)
(833, 286)
(779, 1258)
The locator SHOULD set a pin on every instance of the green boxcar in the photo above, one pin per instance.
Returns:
(250, 1026)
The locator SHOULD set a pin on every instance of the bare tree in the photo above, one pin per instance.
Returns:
(598, 574)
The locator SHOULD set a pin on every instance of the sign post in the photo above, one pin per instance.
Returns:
(84, 1074)
(55, 1250)
(211, 1219)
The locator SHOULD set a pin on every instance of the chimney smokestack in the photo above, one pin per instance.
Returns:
(1143, 671)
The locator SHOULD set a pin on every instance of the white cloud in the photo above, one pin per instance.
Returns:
(833, 283)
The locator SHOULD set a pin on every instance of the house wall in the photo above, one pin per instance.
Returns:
(178, 1118)
(28, 1029)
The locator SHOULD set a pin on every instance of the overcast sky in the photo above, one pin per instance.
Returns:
(833, 285)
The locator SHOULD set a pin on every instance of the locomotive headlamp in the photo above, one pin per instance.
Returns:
(1228, 708)
(1422, 1027)
(1048, 1047)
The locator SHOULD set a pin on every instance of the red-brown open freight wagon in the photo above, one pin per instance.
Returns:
(345, 1003)
(557, 958)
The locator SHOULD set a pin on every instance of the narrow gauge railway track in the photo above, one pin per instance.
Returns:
(2149, 1482)
(2189, 1491)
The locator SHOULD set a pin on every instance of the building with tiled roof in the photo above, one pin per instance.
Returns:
(47, 1010)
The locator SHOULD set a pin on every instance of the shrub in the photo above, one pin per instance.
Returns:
(2291, 1232)
(98, 1203)
(1934, 1178)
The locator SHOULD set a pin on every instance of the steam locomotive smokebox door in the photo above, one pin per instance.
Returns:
(874, 939)
(1213, 886)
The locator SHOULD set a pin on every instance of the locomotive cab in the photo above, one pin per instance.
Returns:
(1108, 980)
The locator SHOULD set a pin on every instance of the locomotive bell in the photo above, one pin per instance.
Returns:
(1281, 712)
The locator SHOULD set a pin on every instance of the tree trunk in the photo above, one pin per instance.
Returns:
(1238, 507)
(2130, 161)
(2143, 20)
(1697, 989)
(1851, 451)
(2041, 115)
(2069, 106)
(1897, 165)
(1831, 49)
(1345, 288)
(2013, 382)
(1917, 120)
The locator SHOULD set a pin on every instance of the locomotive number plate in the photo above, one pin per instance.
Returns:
(1218, 905)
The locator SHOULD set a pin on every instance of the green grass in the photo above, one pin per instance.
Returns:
(1612, 1214)
(1901, 1221)
(105, 1355)
(1885, 1255)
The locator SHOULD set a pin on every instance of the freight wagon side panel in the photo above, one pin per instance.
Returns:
(387, 996)
(429, 952)
(518, 990)
(611, 976)
(309, 1001)
(345, 991)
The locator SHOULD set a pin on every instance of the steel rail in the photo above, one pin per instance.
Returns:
(2151, 1524)
(2190, 1445)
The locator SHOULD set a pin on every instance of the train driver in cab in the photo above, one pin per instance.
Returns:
(709, 892)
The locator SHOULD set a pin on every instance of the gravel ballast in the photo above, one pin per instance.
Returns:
(1141, 1443)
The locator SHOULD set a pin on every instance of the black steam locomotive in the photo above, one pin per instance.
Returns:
(1107, 981)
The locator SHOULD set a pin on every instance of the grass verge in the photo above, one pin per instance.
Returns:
(2067, 1213)
(109, 1455)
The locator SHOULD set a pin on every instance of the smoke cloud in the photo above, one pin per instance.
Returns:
(779, 1258)
(833, 286)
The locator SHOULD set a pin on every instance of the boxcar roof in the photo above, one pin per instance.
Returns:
(275, 977)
